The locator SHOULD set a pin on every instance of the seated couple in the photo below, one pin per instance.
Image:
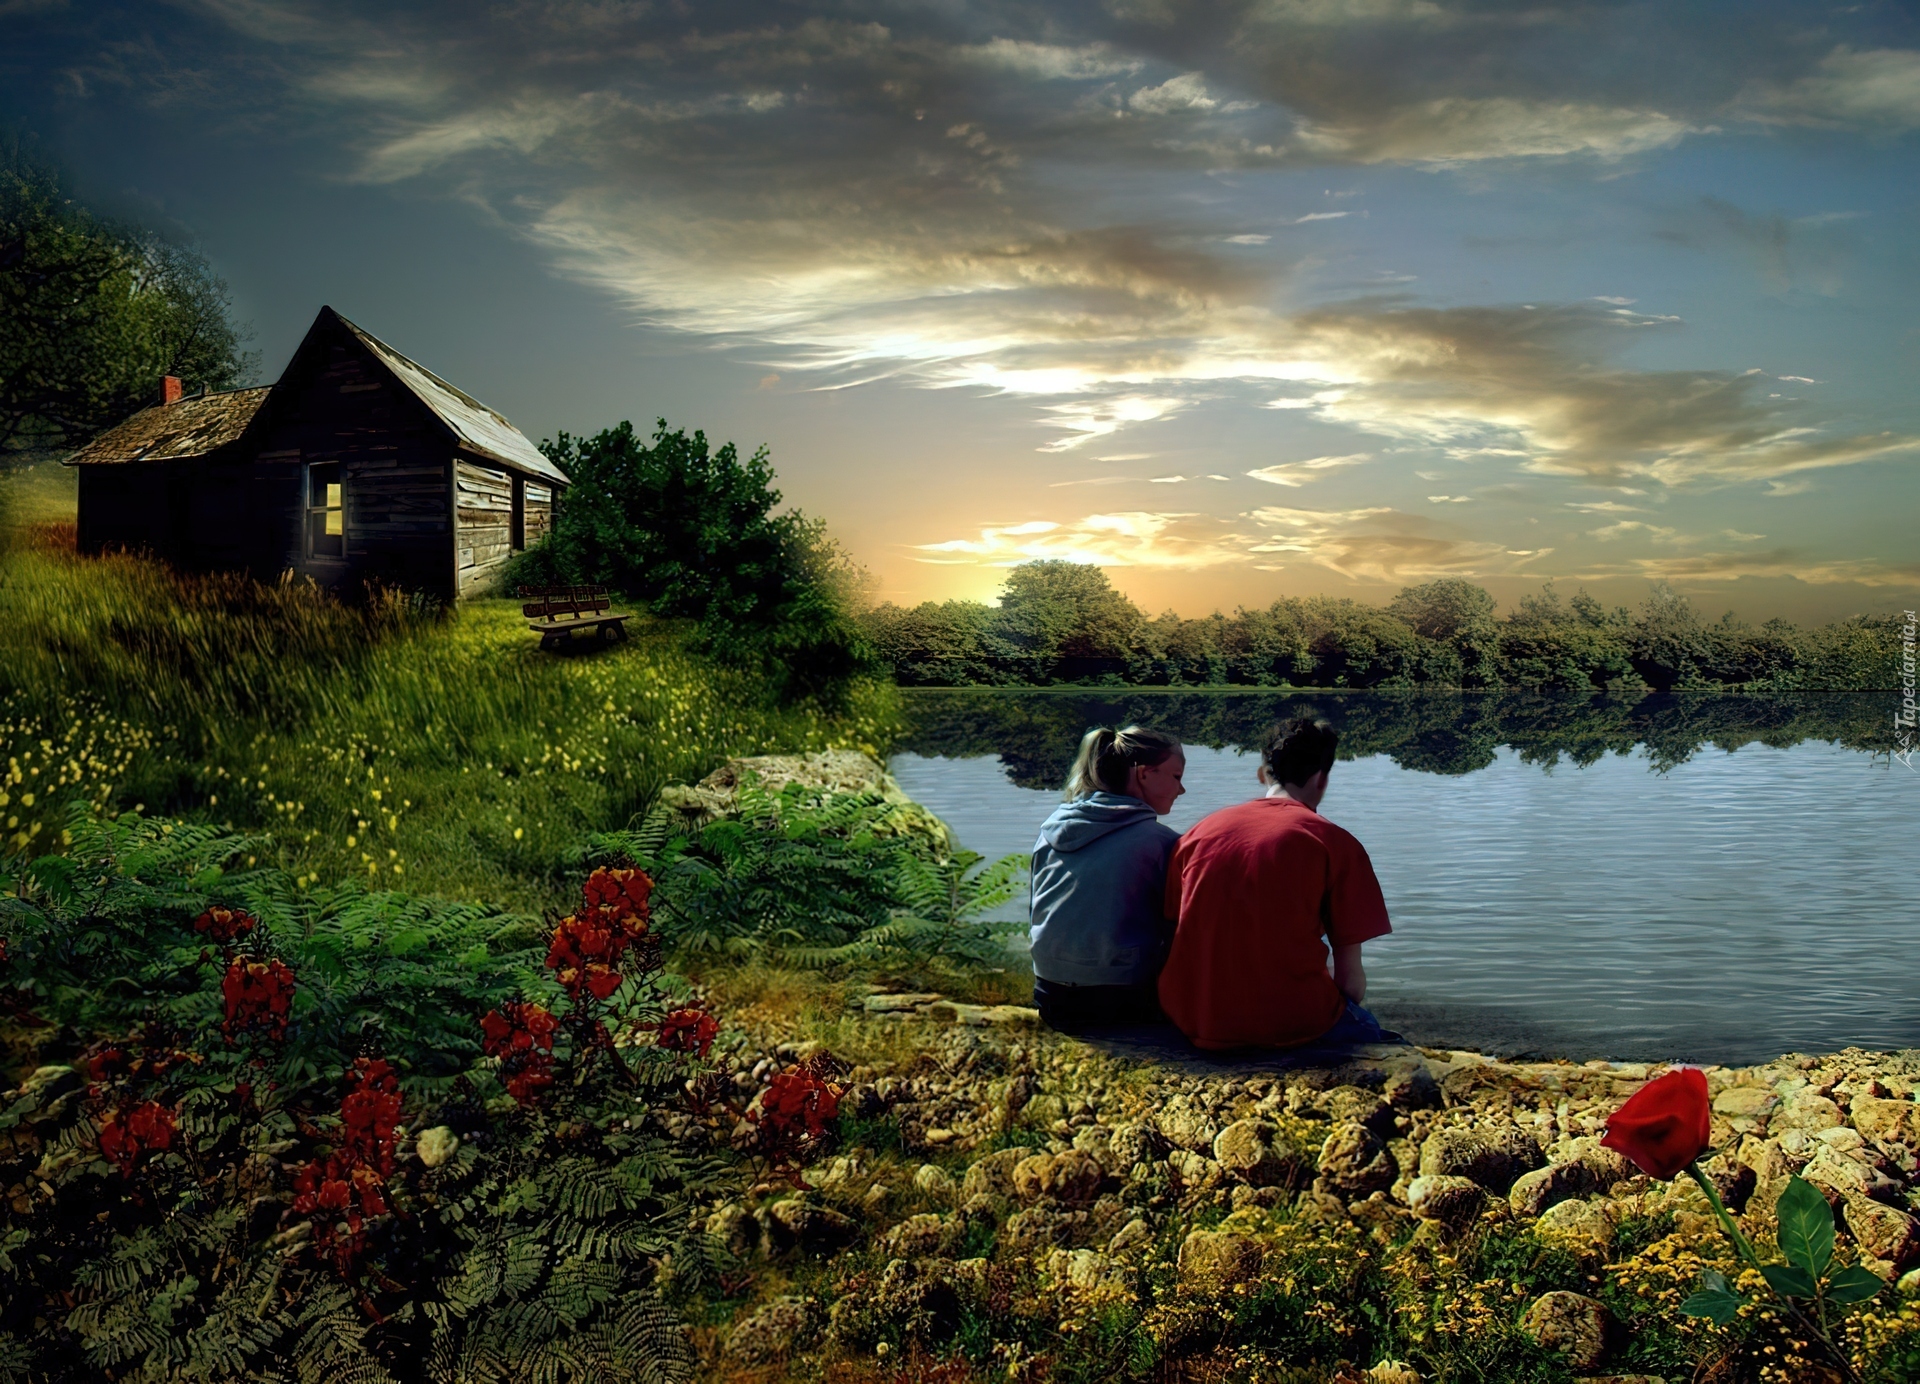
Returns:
(1225, 929)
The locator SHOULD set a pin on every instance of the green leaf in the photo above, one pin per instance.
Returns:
(1854, 1285)
(1806, 1228)
(1789, 1280)
(1715, 1300)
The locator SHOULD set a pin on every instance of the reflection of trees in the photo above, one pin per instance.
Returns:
(1035, 733)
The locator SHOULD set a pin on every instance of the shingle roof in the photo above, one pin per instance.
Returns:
(169, 432)
(478, 427)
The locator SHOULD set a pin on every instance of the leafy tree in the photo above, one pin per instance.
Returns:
(92, 314)
(1455, 612)
(1056, 609)
(692, 532)
(1547, 644)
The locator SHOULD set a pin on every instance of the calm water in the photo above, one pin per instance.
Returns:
(1663, 890)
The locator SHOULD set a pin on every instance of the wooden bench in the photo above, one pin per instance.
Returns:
(556, 613)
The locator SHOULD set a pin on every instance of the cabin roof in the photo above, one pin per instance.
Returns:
(477, 427)
(170, 432)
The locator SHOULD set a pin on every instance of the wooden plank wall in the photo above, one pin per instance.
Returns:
(337, 405)
(539, 512)
(483, 525)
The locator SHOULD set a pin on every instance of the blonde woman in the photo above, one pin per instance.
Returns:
(1099, 880)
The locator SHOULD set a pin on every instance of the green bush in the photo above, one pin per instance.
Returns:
(692, 532)
(821, 880)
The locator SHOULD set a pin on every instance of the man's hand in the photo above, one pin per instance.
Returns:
(1349, 974)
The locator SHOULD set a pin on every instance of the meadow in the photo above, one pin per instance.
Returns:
(366, 739)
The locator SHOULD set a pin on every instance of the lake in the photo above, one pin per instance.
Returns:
(1710, 879)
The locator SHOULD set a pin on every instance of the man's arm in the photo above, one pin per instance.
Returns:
(1349, 974)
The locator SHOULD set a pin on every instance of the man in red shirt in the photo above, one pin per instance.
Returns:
(1254, 890)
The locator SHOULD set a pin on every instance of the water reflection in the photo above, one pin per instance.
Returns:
(1711, 880)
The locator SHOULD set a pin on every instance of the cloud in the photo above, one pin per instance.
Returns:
(1779, 562)
(1537, 381)
(1298, 473)
(1051, 61)
(1454, 130)
(1382, 544)
(1627, 527)
(1876, 90)
(1130, 539)
(1187, 92)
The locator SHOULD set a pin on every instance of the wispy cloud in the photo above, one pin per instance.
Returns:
(1297, 473)
(1134, 538)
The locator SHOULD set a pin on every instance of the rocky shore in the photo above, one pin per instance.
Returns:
(1009, 1203)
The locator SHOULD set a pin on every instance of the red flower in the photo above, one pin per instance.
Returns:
(621, 893)
(133, 1131)
(369, 1112)
(519, 1029)
(521, 1036)
(797, 1100)
(224, 924)
(689, 1030)
(258, 995)
(1665, 1125)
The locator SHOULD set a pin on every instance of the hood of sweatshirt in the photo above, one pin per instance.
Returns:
(1085, 820)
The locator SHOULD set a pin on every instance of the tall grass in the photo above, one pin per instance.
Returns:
(442, 750)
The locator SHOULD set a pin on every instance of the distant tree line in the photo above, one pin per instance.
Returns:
(93, 313)
(1063, 623)
(1434, 731)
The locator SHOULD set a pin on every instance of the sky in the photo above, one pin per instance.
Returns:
(1238, 299)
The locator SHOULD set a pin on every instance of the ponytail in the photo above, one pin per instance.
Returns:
(1107, 756)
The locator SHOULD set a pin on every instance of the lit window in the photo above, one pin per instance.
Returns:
(326, 511)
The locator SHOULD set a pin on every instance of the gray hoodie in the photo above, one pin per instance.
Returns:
(1099, 872)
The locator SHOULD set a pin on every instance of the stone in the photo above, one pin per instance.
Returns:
(1392, 1372)
(1411, 1087)
(437, 1146)
(920, 1236)
(1910, 1282)
(1577, 1220)
(1185, 1127)
(1845, 1175)
(934, 1181)
(1134, 1144)
(1749, 1103)
(1886, 1121)
(800, 1223)
(1533, 1193)
(1096, 1141)
(1217, 1259)
(992, 1176)
(1354, 1161)
(983, 1015)
(1494, 1160)
(1451, 1202)
(1135, 1234)
(771, 1333)
(1357, 1105)
(1251, 1151)
(1570, 1324)
(1038, 1228)
(1608, 1166)
(1885, 1232)
(1805, 1110)
(1043, 1111)
(1086, 1271)
(734, 1228)
(1073, 1177)
(898, 1004)
(920, 1301)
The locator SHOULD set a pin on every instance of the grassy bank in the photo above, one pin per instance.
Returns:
(365, 740)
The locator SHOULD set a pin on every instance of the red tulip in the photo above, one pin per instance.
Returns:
(1665, 1125)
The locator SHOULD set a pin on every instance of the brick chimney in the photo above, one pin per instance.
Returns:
(170, 389)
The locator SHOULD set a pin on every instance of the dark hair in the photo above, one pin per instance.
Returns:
(1107, 756)
(1296, 750)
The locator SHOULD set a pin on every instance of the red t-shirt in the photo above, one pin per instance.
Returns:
(1253, 889)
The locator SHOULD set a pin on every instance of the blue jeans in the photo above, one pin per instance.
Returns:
(1071, 1008)
(1354, 1027)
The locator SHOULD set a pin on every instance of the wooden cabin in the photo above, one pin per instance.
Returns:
(356, 466)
